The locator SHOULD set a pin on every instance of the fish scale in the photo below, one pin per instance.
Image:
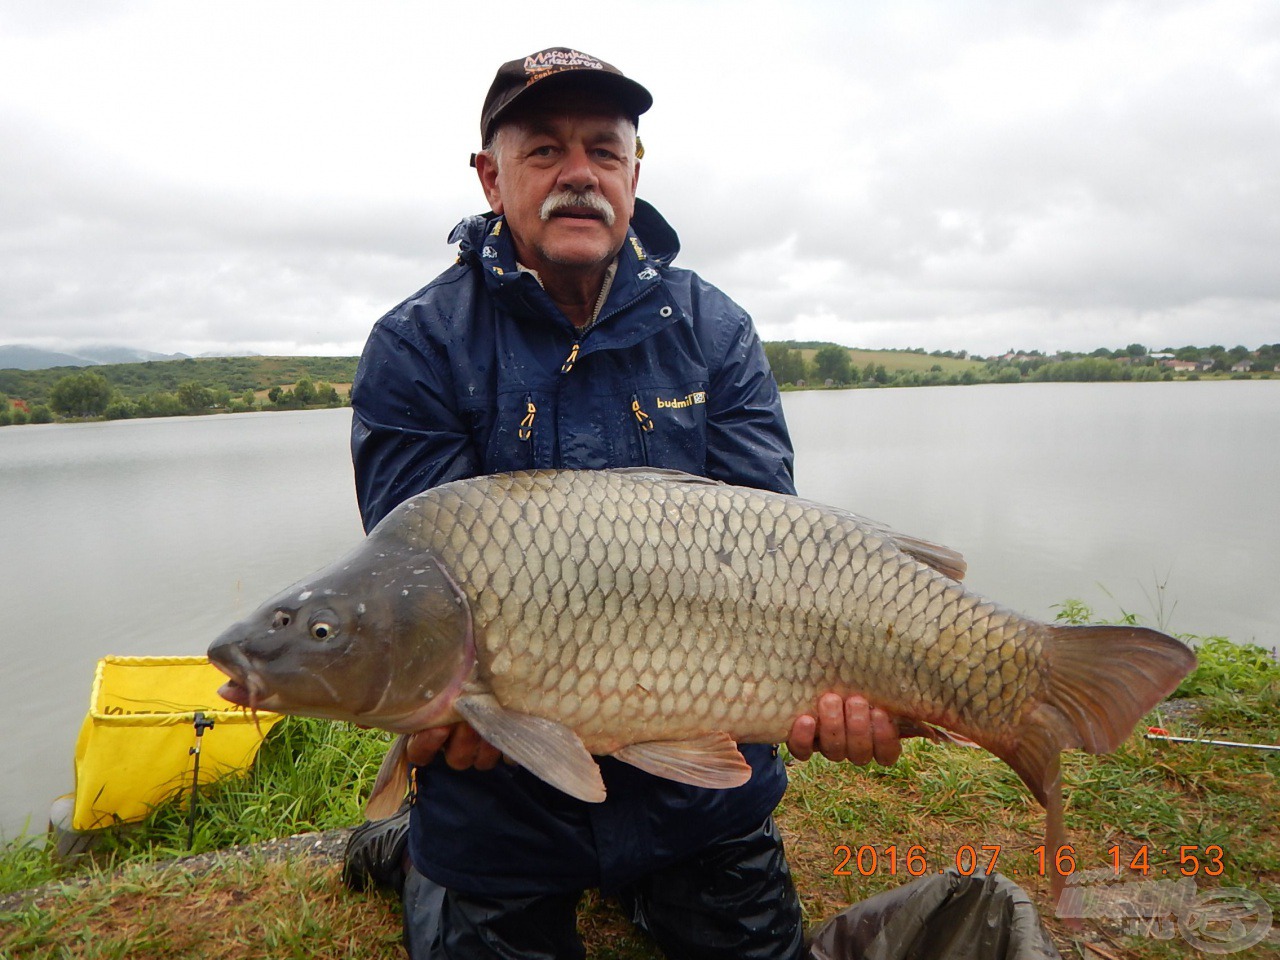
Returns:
(663, 618)
(737, 597)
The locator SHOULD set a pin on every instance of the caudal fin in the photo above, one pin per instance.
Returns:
(1100, 682)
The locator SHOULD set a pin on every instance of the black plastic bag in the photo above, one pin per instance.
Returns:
(947, 916)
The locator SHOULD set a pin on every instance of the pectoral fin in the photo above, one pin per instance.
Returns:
(545, 748)
(709, 761)
(392, 782)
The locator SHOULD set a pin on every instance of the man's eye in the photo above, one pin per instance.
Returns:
(546, 151)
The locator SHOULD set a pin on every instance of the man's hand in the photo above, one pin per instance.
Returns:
(849, 729)
(462, 747)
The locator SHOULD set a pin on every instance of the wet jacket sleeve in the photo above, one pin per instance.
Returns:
(406, 435)
(747, 439)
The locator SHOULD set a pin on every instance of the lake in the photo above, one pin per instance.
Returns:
(149, 537)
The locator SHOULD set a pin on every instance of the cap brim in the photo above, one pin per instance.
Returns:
(631, 97)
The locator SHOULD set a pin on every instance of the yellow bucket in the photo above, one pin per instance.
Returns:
(135, 746)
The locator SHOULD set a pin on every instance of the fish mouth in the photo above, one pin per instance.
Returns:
(233, 691)
(244, 687)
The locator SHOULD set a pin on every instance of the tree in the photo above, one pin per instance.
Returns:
(121, 409)
(788, 365)
(832, 363)
(1136, 350)
(81, 394)
(304, 391)
(194, 397)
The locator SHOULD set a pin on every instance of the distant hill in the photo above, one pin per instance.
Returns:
(20, 356)
(237, 374)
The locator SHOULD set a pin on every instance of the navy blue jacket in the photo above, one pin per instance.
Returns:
(480, 372)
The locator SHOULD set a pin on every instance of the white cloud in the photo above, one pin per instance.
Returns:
(1042, 175)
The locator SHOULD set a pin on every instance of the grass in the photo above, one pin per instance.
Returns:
(1150, 805)
(311, 775)
(903, 360)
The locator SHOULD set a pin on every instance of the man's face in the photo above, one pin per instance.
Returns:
(576, 148)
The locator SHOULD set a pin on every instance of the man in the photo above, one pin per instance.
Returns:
(564, 338)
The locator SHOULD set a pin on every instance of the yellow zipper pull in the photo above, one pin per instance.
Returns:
(571, 359)
(645, 421)
(526, 425)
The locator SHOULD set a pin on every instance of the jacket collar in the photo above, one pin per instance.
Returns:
(657, 237)
(651, 244)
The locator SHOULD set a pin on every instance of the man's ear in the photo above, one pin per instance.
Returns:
(487, 171)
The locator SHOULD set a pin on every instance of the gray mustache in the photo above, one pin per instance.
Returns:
(585, 199)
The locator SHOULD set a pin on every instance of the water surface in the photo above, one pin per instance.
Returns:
(149, 537)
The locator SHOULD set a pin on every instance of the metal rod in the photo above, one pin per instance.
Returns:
(1214, 743)
(202, 723)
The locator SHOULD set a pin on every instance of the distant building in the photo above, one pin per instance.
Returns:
(1244, 366)
(1186, 365)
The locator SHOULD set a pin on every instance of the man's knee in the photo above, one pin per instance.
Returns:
(442, 924)
(735, 899)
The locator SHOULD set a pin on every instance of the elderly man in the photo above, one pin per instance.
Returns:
(563, 338)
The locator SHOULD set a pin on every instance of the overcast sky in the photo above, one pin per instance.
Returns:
(941, 174)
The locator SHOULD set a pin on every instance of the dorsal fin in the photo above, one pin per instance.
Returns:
(662, 473)
(946, 561)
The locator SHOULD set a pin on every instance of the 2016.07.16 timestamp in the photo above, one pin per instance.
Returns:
(867, 860)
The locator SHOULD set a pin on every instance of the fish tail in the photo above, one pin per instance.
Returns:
(1100, 681)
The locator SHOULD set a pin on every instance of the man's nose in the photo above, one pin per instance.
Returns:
(577, 171)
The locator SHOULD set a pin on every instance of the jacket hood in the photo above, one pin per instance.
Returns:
(649, 226)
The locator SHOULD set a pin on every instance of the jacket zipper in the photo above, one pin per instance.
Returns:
(645, 424)
(525, 431)
(570, 360)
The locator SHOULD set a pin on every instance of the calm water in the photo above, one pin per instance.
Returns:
(148, 537)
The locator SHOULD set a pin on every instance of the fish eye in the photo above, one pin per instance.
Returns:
(320, 630)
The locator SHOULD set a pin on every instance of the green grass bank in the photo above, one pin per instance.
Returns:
(1151, 811)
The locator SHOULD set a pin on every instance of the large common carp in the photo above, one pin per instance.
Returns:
(662, 618)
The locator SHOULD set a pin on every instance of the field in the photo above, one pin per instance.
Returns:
(904, 360)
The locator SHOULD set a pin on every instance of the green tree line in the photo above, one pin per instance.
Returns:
(235, 384)
(89, 394)
(236, 374)
(830, 365)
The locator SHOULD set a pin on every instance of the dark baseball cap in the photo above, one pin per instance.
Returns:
(517, 81)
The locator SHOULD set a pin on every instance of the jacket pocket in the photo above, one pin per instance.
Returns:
(671, 426)
(524, 432)
(644, 427)
(514, 434)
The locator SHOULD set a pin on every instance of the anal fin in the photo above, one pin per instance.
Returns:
(549, 750)
(708, 761)
(918, 728)
(392, 782)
